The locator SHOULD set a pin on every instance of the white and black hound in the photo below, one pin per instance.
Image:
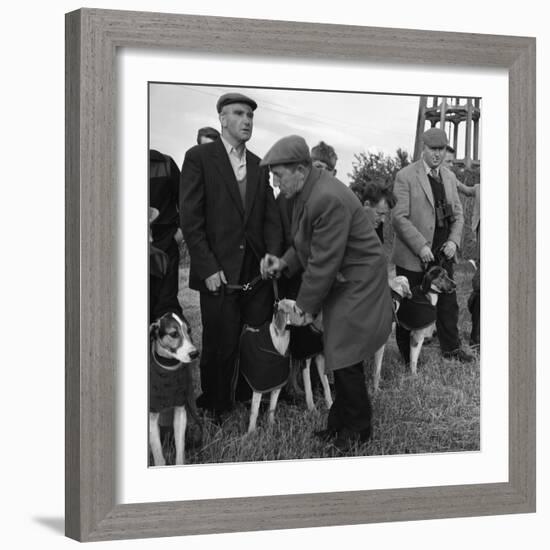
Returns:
(264, 360)
(170, 382)
(418, 313)
(400, 290)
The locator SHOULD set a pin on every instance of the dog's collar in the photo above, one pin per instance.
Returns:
(157, 361)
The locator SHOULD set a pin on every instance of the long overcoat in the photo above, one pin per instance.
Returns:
(344, 270)
(413, 216)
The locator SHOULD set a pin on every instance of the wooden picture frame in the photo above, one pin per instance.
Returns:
(92, 39)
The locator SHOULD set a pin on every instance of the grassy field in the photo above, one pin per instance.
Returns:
(437, 411)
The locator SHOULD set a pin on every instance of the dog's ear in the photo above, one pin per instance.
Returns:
(280, 319)
(154, 330)
(429, 276)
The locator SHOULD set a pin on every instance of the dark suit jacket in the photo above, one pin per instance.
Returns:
(216, 225)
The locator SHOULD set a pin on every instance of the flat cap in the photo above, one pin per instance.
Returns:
(435, 137)
(234, 97)
(286, 151)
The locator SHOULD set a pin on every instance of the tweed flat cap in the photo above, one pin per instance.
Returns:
(286, 151)
(435, 137)
(234, 97)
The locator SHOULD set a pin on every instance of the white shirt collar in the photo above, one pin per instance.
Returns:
(428, 169)
(232, 151)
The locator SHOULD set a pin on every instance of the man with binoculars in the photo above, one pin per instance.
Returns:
(428, 222)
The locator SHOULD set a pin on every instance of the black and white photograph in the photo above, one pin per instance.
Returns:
(314, 274)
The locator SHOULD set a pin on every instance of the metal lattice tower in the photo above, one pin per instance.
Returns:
(451, 114)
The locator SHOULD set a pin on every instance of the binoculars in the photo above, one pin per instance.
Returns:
(444, 214)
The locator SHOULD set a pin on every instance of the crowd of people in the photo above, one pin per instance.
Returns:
(320, 242)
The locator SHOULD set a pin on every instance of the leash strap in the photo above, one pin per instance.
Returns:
(246, 286)
(275, 290)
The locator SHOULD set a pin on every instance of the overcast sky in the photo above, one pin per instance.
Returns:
(350, 122)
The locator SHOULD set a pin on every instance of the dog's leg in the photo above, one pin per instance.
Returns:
(254, 409)
(378, 356)
(416, 340)
(273, 405)
(180, 424)
(154, 439)
(320, 363)
(306, 375)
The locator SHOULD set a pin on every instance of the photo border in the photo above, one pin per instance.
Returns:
(92, 39)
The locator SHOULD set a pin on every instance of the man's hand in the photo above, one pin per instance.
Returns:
(426, 254)
(271, 267)
(216, 280)
(178, 236)
(449, 249)
(307, 317)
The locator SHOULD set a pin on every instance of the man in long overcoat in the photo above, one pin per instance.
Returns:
(344, 276)
(230, 221)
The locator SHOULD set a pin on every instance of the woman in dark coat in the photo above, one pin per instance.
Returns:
(344, 276)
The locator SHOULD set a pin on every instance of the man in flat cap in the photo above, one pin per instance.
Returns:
(344, 275)
(229, 221)
(428, 222)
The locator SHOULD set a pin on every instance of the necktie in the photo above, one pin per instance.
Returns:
(434, 174)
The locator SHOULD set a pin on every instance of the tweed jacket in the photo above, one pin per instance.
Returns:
(215, 223)
(344, 269)
(413, 217)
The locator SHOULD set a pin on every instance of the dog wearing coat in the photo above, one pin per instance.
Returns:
(418, 313)
(306, 344)
(400, 290)
(264, 360)
(170, 383)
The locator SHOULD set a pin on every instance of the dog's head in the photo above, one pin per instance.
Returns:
(286, 313)
(437, 280)
(400, 285)
(173, 334)
(284, 309)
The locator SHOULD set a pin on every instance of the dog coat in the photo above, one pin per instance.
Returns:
(263, 367)
(167, 388)
(417, 312)
(305, 342)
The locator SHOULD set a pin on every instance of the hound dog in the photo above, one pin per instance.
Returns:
(306, 344)
(418, 313)
(400, 290)
(264, 360)
(170, 383)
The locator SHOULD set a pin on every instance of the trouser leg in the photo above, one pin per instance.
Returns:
(221, 324)
(474, 306)
(351, 410)
(447, 318)
(163, 292)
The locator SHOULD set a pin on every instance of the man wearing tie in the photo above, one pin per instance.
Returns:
(428, 222)
(230, 221)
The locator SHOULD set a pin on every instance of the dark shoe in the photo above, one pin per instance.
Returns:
(347, 439)
(326, 435)
(459, 355)
(202, 402)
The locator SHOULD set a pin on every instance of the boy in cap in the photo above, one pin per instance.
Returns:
(344, 275)
(229, 221)
(428, 222)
